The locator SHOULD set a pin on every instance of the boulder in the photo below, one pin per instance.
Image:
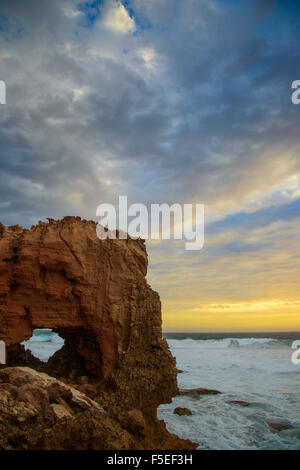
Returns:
(277, 425)
(196, 392)
(182, 411)
(239, 402)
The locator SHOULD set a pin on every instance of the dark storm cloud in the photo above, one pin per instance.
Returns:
(262, 8)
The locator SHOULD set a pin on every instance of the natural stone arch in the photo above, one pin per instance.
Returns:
(94, 294)
(58, 275)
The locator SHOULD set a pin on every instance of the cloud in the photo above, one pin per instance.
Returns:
(149, 56)
(191, 111)
(118, 20)
(163, 102)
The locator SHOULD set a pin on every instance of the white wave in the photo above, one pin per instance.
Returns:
(55, 338)
(259, 371)
(40, 338)
(43, 344)
(222, 343)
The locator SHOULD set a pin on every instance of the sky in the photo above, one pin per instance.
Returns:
(166, 102)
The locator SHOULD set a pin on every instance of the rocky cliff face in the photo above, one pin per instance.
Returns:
(95, 295)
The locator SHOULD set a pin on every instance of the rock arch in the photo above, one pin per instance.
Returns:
(94, 294)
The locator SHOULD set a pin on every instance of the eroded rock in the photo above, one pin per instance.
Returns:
(68, 419)
(182, 411)
(94, 294)
(277, 425)
(196, 392)
(239, 402)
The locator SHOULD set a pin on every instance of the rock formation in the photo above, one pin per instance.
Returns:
(182, 411)
(196, 392)
(38, 412)
(94, 294)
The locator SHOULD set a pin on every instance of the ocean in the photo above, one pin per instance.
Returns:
(254, 368)
(44, 343)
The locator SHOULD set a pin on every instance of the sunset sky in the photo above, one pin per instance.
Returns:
(165, 101)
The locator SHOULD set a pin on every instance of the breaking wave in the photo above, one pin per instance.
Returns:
(228, 343)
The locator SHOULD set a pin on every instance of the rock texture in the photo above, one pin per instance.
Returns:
(277, 425)
(39, 412)
(239, 402)
(196, 392)
(182, 411)
(94, 294)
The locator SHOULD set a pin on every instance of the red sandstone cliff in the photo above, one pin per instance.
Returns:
(93, 293)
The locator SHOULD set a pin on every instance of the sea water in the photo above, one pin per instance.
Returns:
(253, 368)
(44, 343)
(256, 369)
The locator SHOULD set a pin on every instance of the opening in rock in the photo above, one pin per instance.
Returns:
(44, 343)
(64, 353)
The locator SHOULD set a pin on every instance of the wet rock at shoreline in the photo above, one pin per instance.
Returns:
(196, 392)
(277, 425)
(239, 402)
(182, 411)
